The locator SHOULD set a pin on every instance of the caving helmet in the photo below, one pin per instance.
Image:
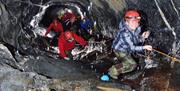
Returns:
(132, 15)
(69, 36)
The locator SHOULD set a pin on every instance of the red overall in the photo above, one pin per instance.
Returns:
(57, 28)
(64, 45)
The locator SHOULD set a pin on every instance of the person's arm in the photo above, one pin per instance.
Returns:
(80, 40)
(49, 29)
(133, 47)
(61, 47)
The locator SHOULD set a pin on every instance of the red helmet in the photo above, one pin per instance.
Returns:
(68, 35)
(132, 15)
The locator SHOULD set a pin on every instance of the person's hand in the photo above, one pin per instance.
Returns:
(145, 34)
(66, 58)
(148, 47)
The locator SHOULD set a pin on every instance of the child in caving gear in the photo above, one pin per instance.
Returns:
(57, 27)
(127, 42)
(67, 42)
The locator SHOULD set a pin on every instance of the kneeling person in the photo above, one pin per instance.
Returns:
(67, 42)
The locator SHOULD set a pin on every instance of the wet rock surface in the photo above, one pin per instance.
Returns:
(45, 75)
(26, 66)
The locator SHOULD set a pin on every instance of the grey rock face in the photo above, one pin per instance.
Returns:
(43, 75)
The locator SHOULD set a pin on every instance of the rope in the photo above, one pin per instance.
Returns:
(164, 54)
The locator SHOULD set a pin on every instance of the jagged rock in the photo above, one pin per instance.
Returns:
(42, 75)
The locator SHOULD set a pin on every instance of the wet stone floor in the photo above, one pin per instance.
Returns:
(153, 79)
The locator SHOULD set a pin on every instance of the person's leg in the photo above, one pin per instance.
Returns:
(55, 39)
(127, 64)
(68, 53)
(115, 70)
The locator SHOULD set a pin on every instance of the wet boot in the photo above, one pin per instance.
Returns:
(115, 70)
(127, 64)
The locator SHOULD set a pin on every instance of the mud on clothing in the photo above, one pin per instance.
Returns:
(127, 64)
(125, 43)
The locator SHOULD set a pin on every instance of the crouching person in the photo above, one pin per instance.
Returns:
(127, 42)
(66, 43)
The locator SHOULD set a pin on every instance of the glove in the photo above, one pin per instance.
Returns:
(66, 58)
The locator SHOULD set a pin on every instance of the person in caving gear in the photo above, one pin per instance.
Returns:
(67, 42)
(61, 13)
(85, 28)
(127, 42)
(68, 20)
(87, 25)
(57, 27)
